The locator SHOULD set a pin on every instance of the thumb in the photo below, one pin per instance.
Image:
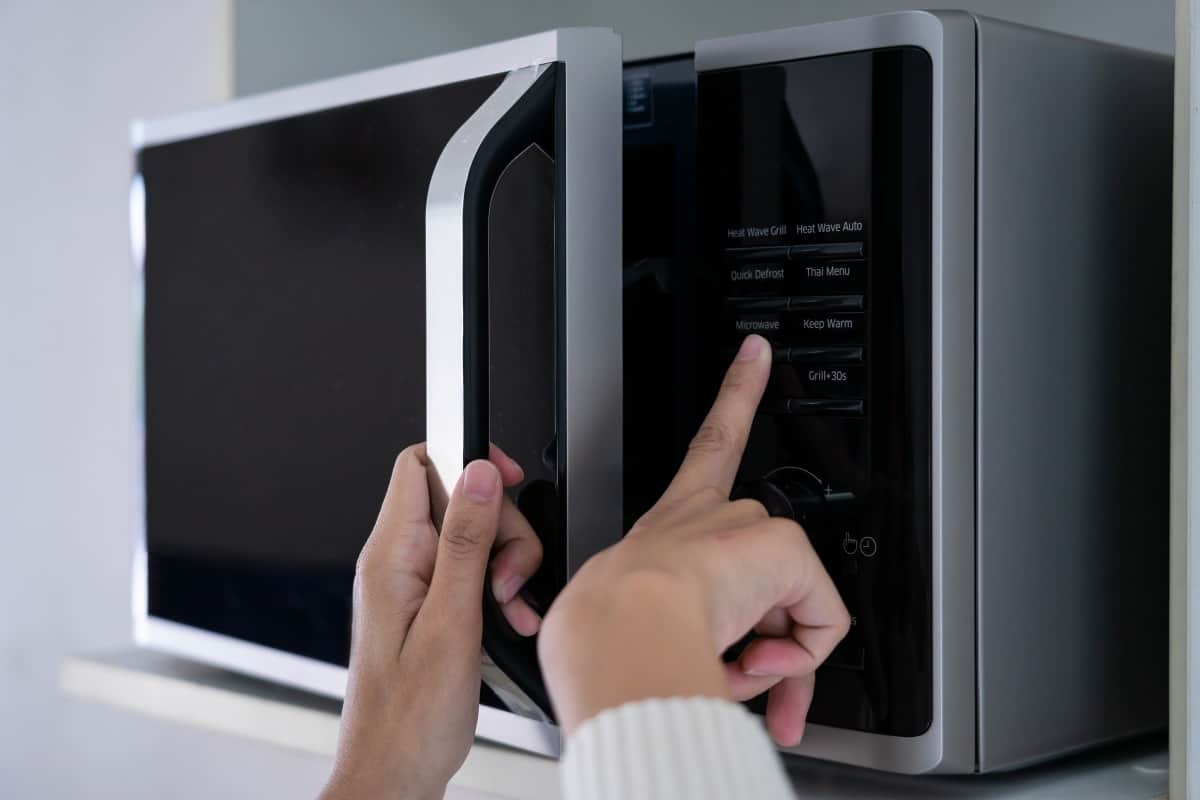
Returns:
(465, 544)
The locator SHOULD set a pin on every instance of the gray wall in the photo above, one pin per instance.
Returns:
(284, 42)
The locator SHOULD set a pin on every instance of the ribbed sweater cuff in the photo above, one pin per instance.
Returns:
(697, 748)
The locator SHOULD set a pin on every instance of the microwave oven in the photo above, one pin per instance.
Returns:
(953, 230)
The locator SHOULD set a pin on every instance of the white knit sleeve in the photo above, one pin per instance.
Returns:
(660, 749)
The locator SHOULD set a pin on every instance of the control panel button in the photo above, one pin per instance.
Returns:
(847, 302)
(773, 406)
(795, 252)
(850, 302)
(762, 324)
(757, 278)
(844, 249)
(819, 380)
(827, 277)
(759, 303)
(749, 255)
(817, 354)
(827, 328)
(815, 406)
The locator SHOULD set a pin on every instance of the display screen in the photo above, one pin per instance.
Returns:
(666, 297)
(284, 357)
(803, 170)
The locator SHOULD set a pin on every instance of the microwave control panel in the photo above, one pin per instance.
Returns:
(815, 231)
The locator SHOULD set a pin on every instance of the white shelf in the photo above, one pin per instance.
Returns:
(194, 694)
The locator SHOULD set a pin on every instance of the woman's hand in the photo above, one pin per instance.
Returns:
(413, 693)
(650, 616)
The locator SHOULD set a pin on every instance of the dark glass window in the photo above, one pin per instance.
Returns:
(284, 357)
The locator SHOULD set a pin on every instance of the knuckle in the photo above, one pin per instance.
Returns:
(386, 550)
(369, 580)
(784, 526)
(522, 552)
(646, 521)
(536, 550)
(461, 539)
(663, 511)
(404, 456)
(841, 624)
(751, 508)
(414, 452)
(367, 557)
(374, 567)
(735, 380)
(714, 436)
(405, 602)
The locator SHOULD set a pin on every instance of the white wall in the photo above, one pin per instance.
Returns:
(283, 42)
(72, 74)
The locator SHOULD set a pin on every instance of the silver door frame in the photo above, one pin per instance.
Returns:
(1185, 419)
(949, 39)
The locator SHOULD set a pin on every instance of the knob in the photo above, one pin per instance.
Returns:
(773, 498)
(791, 492)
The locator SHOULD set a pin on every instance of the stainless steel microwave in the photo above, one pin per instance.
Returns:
(954, 231)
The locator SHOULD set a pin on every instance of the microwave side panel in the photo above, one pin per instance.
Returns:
(1074, 209)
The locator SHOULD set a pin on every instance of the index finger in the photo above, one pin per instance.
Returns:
(716, 451)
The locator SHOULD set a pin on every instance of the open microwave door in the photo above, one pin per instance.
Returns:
(523, 321)
(279, 246)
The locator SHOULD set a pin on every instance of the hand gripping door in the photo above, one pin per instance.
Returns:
(523, 323)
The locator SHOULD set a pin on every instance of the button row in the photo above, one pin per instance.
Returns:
(813, 328)
(745, 255)
(819, 354)
(797, 303)
(819, 320)
(811, 277)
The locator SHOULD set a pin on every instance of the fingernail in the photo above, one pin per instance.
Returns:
(751, 347)
(508, 589)
(481, 481)
(754, 673)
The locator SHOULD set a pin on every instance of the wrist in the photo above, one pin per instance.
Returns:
(643, 635)
(379, 757)
(358, 782)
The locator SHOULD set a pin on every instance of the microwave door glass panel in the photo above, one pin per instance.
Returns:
(284, 357)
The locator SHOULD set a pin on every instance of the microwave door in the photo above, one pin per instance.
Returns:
(475, 168)
(512, 207)
(279, 248)
(279, 256)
